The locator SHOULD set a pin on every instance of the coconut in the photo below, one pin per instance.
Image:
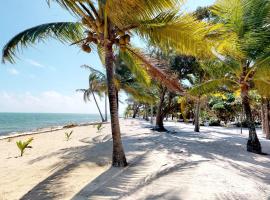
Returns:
(127, 39)
(86, 48)
(122, 41)
(117, 41)
(90, 34)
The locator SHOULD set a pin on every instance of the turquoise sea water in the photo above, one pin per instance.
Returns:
(21, 122)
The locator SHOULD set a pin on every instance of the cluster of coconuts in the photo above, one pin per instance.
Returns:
(123, 41)
(91, 37)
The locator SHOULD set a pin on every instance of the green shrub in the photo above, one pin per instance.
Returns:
(68, 135)
(23, 145)
(213, 122)
(100, 127)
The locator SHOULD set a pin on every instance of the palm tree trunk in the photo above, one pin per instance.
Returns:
(197, 116)
(147, 112)
(160, 116)
(265, 118)
(117, 98)
(106, 112)
(135, 110)
(102, 119)
(253, 144)
(152, 113)
(118, 155)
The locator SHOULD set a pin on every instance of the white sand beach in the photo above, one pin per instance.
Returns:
(182, 164)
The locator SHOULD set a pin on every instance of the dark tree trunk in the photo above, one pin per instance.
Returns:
(152, 113)
(101, 116)
(146, 112)
(135, 110)
(253, 144)
(265, 117)
(118, 155)
(106, 112)
(159, 123)
(117, 98)
(160, 115)
(197, 117)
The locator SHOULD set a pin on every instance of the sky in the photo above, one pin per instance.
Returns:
(45, 76)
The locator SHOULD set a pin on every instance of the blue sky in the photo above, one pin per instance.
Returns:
(45, 76)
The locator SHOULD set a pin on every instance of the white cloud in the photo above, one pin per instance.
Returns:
(34, 63)
(38, 64)
(13, 71)
(48, 101)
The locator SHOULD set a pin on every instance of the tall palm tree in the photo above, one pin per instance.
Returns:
(97, 84)
(246, 23)
(111, 23)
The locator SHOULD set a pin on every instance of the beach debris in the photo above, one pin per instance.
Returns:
(23, 145)
(68, 135)
(70, 126)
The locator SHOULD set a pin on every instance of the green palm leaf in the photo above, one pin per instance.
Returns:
(63, 31)
(128, 13)
(135, 67)
(211, 86)
(183, 33)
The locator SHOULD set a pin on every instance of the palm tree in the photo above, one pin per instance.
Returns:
(97, 84)
(109, 24)
(246, 23)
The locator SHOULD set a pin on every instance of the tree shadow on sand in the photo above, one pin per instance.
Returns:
(118, 183)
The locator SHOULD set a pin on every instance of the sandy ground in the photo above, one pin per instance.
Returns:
(181, 164)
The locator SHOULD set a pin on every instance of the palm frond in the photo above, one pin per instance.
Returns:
(93, 70)
(183, 33)
(156, 73)
(262, 80)
(231, 13)
(86, 94)
(135, 67)
(63, 31)
(138, 93)
(125, 13)
(211, 86)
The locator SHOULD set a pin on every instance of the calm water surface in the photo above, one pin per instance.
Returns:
(20, 122)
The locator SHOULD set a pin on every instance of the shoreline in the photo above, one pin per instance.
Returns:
(47, 130)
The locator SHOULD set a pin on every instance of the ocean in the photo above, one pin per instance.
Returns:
(22, 122)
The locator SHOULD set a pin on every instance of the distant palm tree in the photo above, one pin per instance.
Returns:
(125, 81)
(108, 24)
(97, 85)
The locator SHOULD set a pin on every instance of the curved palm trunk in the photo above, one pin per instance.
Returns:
(160, 116)
(118, 155)
(197, 117)
(101, 116)
(253, 144)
